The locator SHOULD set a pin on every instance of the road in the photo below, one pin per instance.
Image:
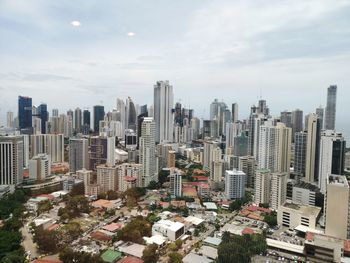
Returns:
(28, 243)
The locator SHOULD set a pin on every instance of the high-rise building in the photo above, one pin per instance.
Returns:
(235, 184)
(312, 148)
(55, 112)
(130, 114)
(78, 154)
(86, 121)
(234, 112)
(77, 120)
(102, 151)
(40, 167)
(332, 156)
(274, 147)
(178, 114)
(147, 152)
(286, 118)
(331, 108)
(10, 123)
(128, 172)
(320, 115)
(336, 207)
(99, 113)
(240, 145)
(300, 143)
(175, 183)
(51, 144)
(43, 115)
(11, 160)
(209, 155)
(107, 178)
(278, 190)
(262, 186)
(297, 121)
(25, 112)
(163, 111)
(246, 164)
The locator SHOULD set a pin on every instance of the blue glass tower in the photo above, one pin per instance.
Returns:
(44, 116)
(25, 112)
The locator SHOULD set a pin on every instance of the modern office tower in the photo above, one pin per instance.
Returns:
(140, 119)
(40, 167)
(297, 121)
(275, 147)
(336, 207)
(320, 115)
(286, 118)
(11, 160)
(77, 120)
(10, 123)
(195, 125)
(121, 109)
(130, 115)
(175, 179)
(127, 173)
(255, 121)
(206, 132)
(147, 152)
(178, 114)
(51, 144)
(262, 186)
(99, 114)
(43, 115)
(278, 189)
(163, 116)
(130, 139)
(235, 184)
(25, 112)
(102, 151)
(107, 178)
(246, 164)
(55, 113)
(312, 148)
(300, 144)
(331, 108)
(78, 154)
(70, 114)
(332, 156)
(263, 108)
(86, 121)
(234, 112)
(219, 113)
(232, 130)
(240, 145)
(208, 150)
(143, 109)
(37, 125)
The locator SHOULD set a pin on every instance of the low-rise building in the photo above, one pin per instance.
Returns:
(293, 215)
(171, 230)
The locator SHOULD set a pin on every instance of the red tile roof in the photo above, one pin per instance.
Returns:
(248, 231)
(130, 259)
(47, 261)
(100, 236)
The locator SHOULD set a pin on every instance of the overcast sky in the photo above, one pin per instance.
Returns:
(79, 53)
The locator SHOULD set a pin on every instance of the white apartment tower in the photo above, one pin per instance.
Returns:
(175, 183)
(147, 152)
(163, 115)
(11, 160)
(40, 167)
(235, 184)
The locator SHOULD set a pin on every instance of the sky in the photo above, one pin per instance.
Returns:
(81, 53)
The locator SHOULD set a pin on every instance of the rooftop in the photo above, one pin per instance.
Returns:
(194, 258)
(213, 241)
(308, 186)
(111, 256)
(170, 225)
(130, 259)
(305, 209)
(132, 249)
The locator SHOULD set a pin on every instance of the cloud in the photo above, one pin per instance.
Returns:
(75, 23)
(131, 34)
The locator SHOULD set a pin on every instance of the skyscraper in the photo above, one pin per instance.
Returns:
(147, 152)
(10, 123)
(163, 111)
(78, 154)
(43, 116)
(77, 120)
(99, 114)
(11, 160)
(332, 156)
(86, 121)
(297, 121)
(300, 143)
(130, 114)
(331, 108)
(312, 148)
(320, 115)
(25, 112)
(286, 118)
(235, 184)
(54, 112)
(175, 183)
(234, 112)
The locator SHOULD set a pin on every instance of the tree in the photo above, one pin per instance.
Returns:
(44, 206)
(67, 255)
(235, 205)
(150, 254)
(264, 205)
(178, 243)
(78, 189)
(271, 219)
(71, 231)
(74, 207)
(153, 185)
(175, 257)
(135, 230)
(46, 240)
(112, 195)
